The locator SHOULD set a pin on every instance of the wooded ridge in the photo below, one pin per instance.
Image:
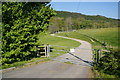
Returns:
(67, 21)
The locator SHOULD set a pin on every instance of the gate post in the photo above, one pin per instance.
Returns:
(48, 50)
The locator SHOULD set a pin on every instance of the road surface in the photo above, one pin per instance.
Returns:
(80, 68)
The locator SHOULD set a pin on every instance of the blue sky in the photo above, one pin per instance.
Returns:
(108, 9)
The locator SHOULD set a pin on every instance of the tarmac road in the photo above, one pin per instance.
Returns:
(80, 68)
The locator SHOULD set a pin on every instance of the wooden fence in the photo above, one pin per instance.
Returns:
(43, 51)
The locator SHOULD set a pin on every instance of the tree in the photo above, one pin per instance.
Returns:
(22, 22)
(68, 23)
(56, 24)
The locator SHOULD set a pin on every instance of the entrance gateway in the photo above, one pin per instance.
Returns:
(43, 50)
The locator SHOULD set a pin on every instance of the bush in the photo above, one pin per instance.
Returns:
(22, 22)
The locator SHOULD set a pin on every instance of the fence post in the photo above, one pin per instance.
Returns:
(94, 54)
(45, 50)
(100, 55)
(37, 51)
(48, 50)
(97, 56)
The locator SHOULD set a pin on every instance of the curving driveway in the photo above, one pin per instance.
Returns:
(80, 68)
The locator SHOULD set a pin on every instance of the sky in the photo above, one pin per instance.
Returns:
(85, 0)
(107, 9)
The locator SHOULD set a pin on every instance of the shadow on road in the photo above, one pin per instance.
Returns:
(88, 62)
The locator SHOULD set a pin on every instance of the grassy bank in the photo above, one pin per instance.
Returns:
(107, 35)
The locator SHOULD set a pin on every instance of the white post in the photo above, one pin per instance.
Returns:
(45, 50)
(48, 51)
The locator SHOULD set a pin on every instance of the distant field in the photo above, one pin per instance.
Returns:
(108, 35)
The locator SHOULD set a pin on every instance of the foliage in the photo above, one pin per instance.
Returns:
(55, 26)
(25, 63)
(108, 63)
(22, 22)
(67, 21)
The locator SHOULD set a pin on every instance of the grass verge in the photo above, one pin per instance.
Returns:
(25, 63)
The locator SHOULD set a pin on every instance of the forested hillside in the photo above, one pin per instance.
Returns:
(67, 21)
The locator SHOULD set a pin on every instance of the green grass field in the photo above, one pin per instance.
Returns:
(107, 35)
(57, 44)
(51, 40)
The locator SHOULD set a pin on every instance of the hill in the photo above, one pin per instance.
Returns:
(66, 14)
(67, 21)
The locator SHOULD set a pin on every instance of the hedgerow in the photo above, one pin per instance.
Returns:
(21, 24)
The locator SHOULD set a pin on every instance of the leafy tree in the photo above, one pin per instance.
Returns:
(22, 22)
(56, 24)
(53, 27)
(68, 23)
